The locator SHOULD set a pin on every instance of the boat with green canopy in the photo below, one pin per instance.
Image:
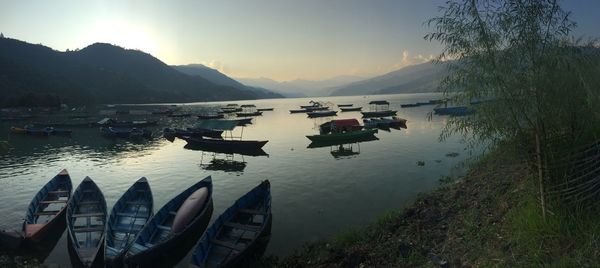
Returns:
(340, 130)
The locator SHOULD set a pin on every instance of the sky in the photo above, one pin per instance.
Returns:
(278, 39)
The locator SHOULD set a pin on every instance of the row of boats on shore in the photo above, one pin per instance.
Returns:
(133, 235)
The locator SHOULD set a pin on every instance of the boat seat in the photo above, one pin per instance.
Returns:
(53, 201)
(96, 228)
(252, 211)
(240, 226)
(58, 192)
(89, 202)
(226, 244)
(87, 215)
(49, 212)
(136, 203)
(162, 227)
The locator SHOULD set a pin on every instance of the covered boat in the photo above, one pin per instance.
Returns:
(379, 108)
(340, 130)
(48, 207)
(235, 236)
(86, 223)
(228, 141)
(125, 133)
(175, 228)
(127, 218)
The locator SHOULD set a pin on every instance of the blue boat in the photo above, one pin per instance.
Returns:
(86, 223)
(127, 218)
(235, 235)
(174, 229)
(48, 207)
(125, 133)
(454, 111)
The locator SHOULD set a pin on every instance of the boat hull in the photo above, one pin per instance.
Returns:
(379, 113)
(344, 136)
(353, 109)
(225, 144)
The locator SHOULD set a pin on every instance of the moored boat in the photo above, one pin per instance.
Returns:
(265, 109)
(321, 114)
(127, 218)
(350, 109)
(48, 207)
(86, 223)
(211, 116)
(454, 111)
(340, 130)
(246, 145)
(125, 133)
(17, 130)
(379, 109)
(345, 105)
(246, 114)
(192, 132)
(235, 236)
(174, 228)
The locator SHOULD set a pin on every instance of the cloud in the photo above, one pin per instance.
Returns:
(407, 60)
(217, 65)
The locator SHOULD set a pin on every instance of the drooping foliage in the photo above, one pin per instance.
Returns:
(529, 81)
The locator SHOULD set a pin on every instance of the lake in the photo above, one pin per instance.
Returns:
(314, 194)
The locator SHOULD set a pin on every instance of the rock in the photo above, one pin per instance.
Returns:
(437, 260)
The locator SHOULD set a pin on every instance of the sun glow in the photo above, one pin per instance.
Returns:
(123, 34)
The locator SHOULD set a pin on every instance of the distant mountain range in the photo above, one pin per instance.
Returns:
(32, 75)
(418, 78)
(219, 78)
(301, 87)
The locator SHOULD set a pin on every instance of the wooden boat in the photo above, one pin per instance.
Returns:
(265, 109)
(454, 111)
(341, 130)
(409, 105)
(17, 130)
(125, 133)
(211, 116)
(246, 114)
(86, 222)
(48, 207)
(243, 121)
(235, 235)
(321, 114)
(345, 105)
(192, 132)
(317, 108)
(299, 111)
(340, 136)
(180, 221)
(44, 131)
(320, 144)
(350, 109)
(379, 113)
(393, 122)
(225, 144)
(127, 218)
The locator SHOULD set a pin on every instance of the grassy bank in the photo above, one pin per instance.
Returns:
(491, 217)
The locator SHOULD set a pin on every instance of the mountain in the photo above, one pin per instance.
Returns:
(219, 78)
(301, 87)
(100, 73)
(411, 79)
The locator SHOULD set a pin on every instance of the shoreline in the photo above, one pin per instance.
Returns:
(461, 223)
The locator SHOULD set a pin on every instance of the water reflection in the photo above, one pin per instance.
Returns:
(227, 160)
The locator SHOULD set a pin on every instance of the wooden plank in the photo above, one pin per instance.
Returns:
(252, 211)
(95, 228)
(245, 227)
(53, 201)
(226, 244)
(49, 212)
(87, 215)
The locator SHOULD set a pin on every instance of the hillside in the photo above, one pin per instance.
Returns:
(219, 78)
(411, 79)
(100, 73)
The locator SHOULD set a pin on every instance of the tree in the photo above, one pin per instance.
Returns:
(535, 83)
(1, 35)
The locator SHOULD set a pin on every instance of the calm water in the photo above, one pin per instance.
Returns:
(315, 195)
